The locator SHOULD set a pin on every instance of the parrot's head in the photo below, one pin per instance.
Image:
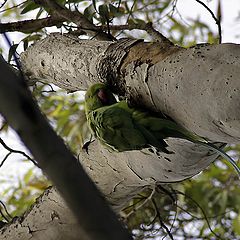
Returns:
(98, 95)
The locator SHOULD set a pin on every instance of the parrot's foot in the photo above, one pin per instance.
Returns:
(86, 145)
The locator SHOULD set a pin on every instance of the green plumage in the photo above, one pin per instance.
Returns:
(122, 128)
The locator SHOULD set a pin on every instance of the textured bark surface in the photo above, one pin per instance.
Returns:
(121, 175)
(197, 87)
(49, 218)
(64, 61)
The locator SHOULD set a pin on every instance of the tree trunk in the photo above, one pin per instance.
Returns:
(197, 87)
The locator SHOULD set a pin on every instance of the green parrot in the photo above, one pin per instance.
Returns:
(123, 128)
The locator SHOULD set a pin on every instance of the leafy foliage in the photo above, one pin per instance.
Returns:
(17, 197)
(200, 208)
(205, 207)
(66, 114)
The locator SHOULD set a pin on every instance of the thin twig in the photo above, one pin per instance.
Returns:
(159, 37)
(134, 204)
(141, 205)
(74, 16)
(201, 209)
(3, 125)
(3, 216)
(202, 218)
(5, 158)
(218, 22)
(131, 10)
(15, 6)
(15, 151)
(174, 201)
(47, 84)
(119, 4)
(160, 219)
(4, 2)
(168, 193)
(5, 208)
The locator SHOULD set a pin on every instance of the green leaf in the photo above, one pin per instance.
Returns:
(28, 176)
(29, 6)
(89, 12)
(223, 200)
(114, 11)
(25, 44)
(30, 38)
(236, 224)
(104, 13)
(39, 12)
(12, 51)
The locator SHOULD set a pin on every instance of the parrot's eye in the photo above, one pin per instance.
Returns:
(102, 96)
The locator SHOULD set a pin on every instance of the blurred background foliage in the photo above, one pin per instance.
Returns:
(204, 207)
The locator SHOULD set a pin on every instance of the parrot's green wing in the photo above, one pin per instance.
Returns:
(114, 127)
(123, 128)
(164, 128)
(151, 139)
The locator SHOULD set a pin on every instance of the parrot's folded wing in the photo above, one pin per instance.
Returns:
(157, 143)
(114, 127)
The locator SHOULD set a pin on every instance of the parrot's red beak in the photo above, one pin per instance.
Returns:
(103, 96)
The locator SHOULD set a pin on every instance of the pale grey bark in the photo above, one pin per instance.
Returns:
(74, 64)
(49, 218)
(197, 87)
(53, 60)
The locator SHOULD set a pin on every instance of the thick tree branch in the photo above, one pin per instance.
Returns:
(22, 113)
(103, 61)
(31, 25)
(197, 87)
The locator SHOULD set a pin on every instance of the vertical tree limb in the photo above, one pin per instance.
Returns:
(23, 114)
